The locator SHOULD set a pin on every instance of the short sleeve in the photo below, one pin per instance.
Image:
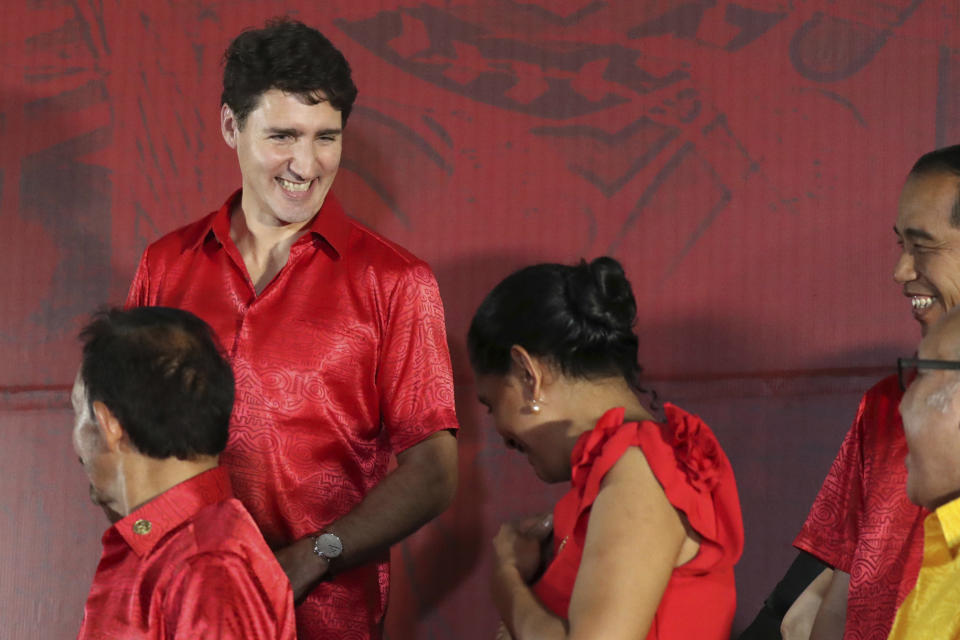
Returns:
(698, 480)
(415, 378)
(138, 295)
(217, 595)
(831, 529)
(689, 464)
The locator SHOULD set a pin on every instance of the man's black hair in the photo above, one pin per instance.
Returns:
(945, 160)
(289, 56)
(161, 373)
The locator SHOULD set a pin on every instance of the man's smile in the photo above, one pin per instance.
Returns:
(287, 185)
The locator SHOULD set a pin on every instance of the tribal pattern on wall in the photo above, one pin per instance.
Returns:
(741, 158)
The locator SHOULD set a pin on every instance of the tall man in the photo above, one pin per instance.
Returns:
(931, 422)
(336, 336)
(862, 524)
(185, 560)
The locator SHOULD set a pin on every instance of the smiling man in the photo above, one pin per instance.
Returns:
(336, 336)
(862, 524)
(931, 421)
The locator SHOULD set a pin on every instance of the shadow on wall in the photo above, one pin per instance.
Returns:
(56, 211)
(439, 587)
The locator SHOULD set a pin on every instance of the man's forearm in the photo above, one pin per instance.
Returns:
(419, 489)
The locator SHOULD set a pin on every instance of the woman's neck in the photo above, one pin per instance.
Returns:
(587, 400)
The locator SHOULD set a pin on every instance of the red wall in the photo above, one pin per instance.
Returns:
(742, 159)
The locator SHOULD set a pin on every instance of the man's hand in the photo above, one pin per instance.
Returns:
(303, 567)
(518, 544)
(419, 488)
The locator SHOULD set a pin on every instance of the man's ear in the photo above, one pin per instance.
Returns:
(530, 371)
(110, 430)
(229, 126)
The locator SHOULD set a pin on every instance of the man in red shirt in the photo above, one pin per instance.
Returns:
(862, 524)
(336, 336)
(184, 559)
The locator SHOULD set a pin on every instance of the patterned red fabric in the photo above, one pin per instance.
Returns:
(862, 521)
(340, 362)
(697, 477)
(198, 569)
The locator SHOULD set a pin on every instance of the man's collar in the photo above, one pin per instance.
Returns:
(948, 516)
(144, 527)
(330, 223)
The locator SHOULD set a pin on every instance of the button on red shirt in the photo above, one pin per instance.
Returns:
(340, 363)
(189, 564)
(862, 521)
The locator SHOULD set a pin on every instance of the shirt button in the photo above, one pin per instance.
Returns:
(141, 527)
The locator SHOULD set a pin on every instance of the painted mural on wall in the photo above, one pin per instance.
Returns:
(741, 158)
(701, 142)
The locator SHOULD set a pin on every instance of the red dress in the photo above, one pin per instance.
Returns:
(697, 477)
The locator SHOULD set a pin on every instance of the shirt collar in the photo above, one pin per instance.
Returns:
(949, 517)
(144, 527)
(330, 224)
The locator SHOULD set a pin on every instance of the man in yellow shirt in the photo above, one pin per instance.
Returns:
(931, 424)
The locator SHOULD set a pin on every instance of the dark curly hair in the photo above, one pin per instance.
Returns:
(578, 317)
(289, 56)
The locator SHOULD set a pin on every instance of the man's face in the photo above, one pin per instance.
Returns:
(289, 153)
(931, 422)
(929, 264)
(90, 448)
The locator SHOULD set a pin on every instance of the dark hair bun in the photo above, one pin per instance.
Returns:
(579, 316)
(601, 294)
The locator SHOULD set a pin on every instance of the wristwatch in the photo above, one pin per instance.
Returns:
(328, 546)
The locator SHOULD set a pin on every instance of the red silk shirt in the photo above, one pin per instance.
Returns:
(862, 522)
(189, 564)
(340, 362)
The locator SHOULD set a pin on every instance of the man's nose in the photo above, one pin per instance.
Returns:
(304, 164)
(905, 270)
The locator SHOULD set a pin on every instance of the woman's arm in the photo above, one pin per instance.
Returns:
(634, 540)
(517, 559)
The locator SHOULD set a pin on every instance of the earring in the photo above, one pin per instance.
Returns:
(534, 407)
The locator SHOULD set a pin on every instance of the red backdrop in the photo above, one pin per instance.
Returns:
(742, 159)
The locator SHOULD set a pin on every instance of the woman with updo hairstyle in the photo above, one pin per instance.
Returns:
(644, 542)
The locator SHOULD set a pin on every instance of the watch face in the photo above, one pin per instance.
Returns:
(328, 545)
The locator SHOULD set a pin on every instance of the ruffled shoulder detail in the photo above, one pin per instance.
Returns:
(687, 461)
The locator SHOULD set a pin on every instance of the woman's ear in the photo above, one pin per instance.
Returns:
(530, 371)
